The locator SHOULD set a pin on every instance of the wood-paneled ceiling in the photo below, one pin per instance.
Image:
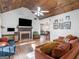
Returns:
(54, 6)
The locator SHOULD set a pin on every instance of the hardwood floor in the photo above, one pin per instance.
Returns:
(22, 51)
(25, 50)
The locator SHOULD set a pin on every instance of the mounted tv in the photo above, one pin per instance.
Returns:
(10, 29)
(25, 22)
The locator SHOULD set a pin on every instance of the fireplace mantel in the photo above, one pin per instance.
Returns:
(24, 26)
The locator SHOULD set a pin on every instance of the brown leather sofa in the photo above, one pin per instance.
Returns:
(69, 55)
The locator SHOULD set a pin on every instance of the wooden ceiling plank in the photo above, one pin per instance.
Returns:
(54, 6)
(2, 5)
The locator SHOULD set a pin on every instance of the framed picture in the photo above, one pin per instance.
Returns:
(67, 17)
(62, 23)
(55, 24)
(67, 25)
(61, 26)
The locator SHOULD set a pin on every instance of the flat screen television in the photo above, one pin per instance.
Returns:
(10, 29)
(25, 22)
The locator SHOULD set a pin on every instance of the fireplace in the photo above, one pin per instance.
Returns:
(25, 35)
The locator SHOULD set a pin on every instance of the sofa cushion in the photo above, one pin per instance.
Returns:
(5, 39)
(60, 50)
(71, 37)
(47, 48)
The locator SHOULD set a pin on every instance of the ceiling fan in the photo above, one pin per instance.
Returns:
(40, 12)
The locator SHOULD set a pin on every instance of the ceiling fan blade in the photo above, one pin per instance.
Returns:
(41, 14)
(38, 9)
(45, 11)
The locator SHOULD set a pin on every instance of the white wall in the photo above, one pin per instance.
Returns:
(74, 18)
(0, 24)
(11, 19)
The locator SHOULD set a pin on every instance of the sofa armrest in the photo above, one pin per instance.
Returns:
(40, 55)
(74, 42)
(72, 53)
